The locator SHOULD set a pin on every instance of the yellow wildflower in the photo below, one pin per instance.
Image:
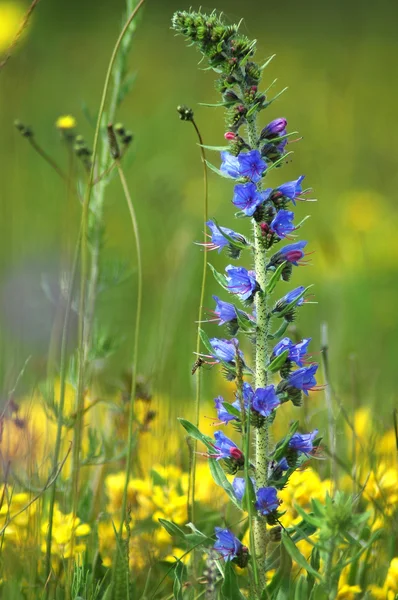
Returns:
(66, 533)
(345, 590)
(66, 122)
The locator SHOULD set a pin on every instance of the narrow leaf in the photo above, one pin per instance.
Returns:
(267, 62)
(219, 277)
(278, 362)
(230, 588)
(276, 275)
(297, 556)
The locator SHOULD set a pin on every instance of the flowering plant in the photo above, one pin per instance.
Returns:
(251, 155)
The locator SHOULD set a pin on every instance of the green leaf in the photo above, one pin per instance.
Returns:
(279, 332)
(220, 479)
(309, 517)
(215, 467)
(249, 497)
(172, 529)
(230, 588)
(214, 105)
(194, 432)
(221, 279)
(215, 148)
(213, 168)
(205, 340)
(244, 322)
(279, 451)
(275, 278)
(267, 62)
(319, 593)
(281, 575)
(231, 410)
(315, 563)
(252, 110)
(296, 555)
(293, 303)
(278, 362)
(243, 245)
(178, 584)
(301, 591)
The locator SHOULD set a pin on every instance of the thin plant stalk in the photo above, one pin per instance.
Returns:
(82, 346)
(130, 439)
(58, 439)
(191, 503)
(329, 406)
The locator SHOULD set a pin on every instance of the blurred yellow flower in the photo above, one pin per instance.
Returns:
(66, 533)
(66, 122)
(345, 590)
(11, 15)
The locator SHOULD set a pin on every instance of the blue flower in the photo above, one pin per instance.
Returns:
(283, 465)
(227, 544)
(304, 378)
(291, 189)
(267, 500)
(251, 165)
(218, 241)
(247, 164)
(265, 400)
(277, 469)
(225, 311)
(241, 282)
(230, 165)
(239, 485)
(296, 351)
(247, 198)
(282, 224)
(247, 394)
(290, 296)
(303, 442)
(223, 415)
(277, 126)
(225, 350)
(292, 253)
(226, 448)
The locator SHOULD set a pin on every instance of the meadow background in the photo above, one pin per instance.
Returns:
(338, 60)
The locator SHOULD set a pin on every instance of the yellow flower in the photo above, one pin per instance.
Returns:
(66, 122)
(348, 592)
(382, 486)
(11, 15)
(392, 576)
(66, 533)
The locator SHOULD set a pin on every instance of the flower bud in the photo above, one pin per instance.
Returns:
(274, 128)
(275, 533)
(186, 113)
(230, 135)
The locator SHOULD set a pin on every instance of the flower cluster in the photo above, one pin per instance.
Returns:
(249, 157)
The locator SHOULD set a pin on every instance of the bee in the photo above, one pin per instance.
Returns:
(197, 364)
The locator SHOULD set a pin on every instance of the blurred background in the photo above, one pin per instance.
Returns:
(338, 60)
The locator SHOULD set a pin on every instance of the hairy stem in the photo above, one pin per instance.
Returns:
(261, 377)
(191, 503)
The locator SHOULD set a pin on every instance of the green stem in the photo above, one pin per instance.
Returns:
(58, 439)
(130, 439)
(82, 343)
(191, 502)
